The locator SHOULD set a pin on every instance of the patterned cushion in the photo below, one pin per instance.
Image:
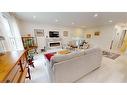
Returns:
(63, 52)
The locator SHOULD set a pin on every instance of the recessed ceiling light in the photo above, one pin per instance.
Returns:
(72, 23)
(34, 17)
(110, 21)
(95, 15)
(56, 20)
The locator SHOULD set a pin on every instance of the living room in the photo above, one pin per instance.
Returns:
(76, 31)
(61, 35)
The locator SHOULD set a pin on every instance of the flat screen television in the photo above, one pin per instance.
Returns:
(54, 34)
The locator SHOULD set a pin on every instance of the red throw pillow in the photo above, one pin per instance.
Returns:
(49, 55)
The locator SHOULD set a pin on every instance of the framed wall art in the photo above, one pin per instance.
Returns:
(39, 32)
(97, 33)
(88, 35)
(65, 33)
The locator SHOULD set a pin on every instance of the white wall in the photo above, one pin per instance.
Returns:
(78, 33)
(28, 28)
(103, 41)
(105, 38)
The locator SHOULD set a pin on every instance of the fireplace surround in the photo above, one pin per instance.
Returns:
(54, 44)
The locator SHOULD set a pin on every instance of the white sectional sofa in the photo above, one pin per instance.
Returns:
(71, 67)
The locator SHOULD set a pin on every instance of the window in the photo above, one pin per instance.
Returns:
(2, 46)
(11, 33)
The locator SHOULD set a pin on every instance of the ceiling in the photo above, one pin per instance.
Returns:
(74, 19)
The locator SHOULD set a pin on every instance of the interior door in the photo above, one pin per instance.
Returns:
(41, 42)
(124, 44)
(122, 38)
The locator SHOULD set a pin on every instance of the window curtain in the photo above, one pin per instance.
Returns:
(5, 32)
(10, 31)
(16, 33)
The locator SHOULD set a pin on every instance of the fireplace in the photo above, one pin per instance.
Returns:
(54, 44)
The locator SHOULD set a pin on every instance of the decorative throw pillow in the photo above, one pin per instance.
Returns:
(63, 52)
(49, 55)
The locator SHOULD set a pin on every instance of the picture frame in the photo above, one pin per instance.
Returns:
(97, 33)
(65, 33)
(88, 35)
(39, 32)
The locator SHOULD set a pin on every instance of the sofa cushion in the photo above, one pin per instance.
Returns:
(63, 52)
(49, 55)
(58, 58)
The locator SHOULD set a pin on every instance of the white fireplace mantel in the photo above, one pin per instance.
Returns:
(53, 40)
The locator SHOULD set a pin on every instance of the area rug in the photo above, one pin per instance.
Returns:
(110, 55)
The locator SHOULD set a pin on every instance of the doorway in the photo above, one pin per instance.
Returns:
(122, 38)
